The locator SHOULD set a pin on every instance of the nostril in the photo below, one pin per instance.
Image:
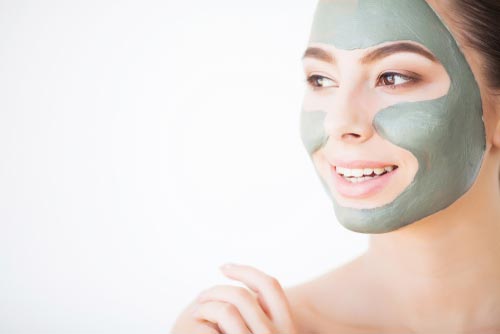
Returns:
(351, 135)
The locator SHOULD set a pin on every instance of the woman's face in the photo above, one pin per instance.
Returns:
(361, 168)
(392, 114)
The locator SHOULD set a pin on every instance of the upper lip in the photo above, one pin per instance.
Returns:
(354, 164)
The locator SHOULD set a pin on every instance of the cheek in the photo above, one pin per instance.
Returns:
(320, 163)
(316, 100)
(424, 92)
(312, 130)
(417, 127)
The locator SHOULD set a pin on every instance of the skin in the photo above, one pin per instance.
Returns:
(437, 275)
(262, 308)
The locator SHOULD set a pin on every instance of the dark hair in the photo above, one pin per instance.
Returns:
(479, 25)
(478, 22)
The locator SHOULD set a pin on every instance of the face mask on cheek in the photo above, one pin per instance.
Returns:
(446, 135)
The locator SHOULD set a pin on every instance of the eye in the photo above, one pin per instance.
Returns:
(319, 81)
(393, 79)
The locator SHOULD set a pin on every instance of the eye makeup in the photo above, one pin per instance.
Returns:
(391, 79)
(395, 72)
(398, 80)
(317, 82)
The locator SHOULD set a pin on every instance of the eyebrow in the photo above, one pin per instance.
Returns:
(319, 54)
(374, 55)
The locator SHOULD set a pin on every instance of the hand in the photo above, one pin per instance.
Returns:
(226, 309)
(264, 309)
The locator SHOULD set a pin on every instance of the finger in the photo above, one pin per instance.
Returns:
(205, 327)
(224, 315)
(247, 305)
(269, 291)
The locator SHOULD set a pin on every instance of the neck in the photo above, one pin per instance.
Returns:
(454, 252)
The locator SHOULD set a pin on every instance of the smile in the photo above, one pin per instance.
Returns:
(362, 181)
(363, 174)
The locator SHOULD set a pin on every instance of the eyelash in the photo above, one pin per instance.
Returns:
(409, 79)
(311, 80)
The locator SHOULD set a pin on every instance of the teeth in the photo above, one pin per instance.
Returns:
(358, 172)
(359, 179)
(368, 171)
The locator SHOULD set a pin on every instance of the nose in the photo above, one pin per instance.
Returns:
(349, 118)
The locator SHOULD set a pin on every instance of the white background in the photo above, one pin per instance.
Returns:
(145, 143)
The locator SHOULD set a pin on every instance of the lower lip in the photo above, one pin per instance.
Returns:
(360, 189)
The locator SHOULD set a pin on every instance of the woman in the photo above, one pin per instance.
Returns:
(402, 122)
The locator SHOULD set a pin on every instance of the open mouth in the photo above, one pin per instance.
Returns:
(360, 175)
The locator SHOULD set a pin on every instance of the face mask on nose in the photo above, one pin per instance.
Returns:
(446, 135)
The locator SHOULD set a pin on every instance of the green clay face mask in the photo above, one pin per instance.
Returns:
(446, 135)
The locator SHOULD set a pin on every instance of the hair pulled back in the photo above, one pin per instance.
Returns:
(479, 24)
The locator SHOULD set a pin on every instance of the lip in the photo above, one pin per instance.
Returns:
(361, 189)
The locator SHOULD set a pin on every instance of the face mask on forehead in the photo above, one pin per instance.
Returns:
(446, 135)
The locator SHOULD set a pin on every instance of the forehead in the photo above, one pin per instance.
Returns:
(361, 24)
(348, 24)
